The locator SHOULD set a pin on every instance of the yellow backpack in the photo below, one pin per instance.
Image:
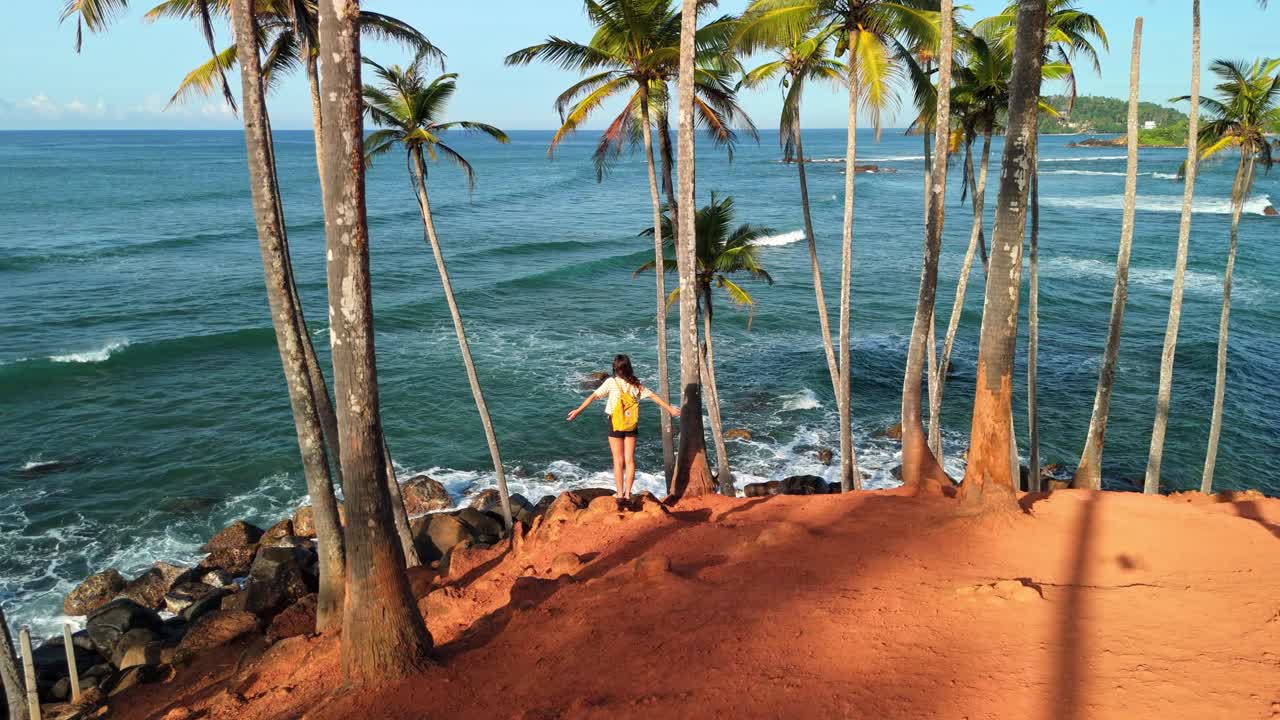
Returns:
(626, 412)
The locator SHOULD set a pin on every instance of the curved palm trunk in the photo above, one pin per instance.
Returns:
(383, 635)
(692, 477)
(14, 688)
(1033, 336)
(1151, 484)
(962, 284)
(990, 476)
(824, 322)
(398, 513)
(1088, 473)
(292, 338)
(850, 479)
(664, 383)
(668, 157)
(1244, 179)
(724, 476)
(920, 469)
(428, 223)
(931, 372)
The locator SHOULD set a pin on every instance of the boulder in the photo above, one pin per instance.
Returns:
(50, 661)
(277, 532)
(94, 592)
(422, 494)
(148, 589)
(304, 520)
(594, 380)
(737, 434)
(435, 534)
(466, 557)
(297, 619)
(182, 595)
(276, 581)
(893, 432)
(213, 630)
(825, 456)
(773, 487)
(651, 566)
(873, 169)
(136, 675)
(139, 646)
(566, 563)
(109, 623)
(214, 578)
(603, 505)
(207, 603)
(61, 690)
(1270, 211)
(234, 561)
(236, 534)
(804, 485)
(485, 529)
(489, 500)
(551, 477)
(521, 509)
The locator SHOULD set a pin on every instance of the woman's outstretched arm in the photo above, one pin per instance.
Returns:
(662, 403)
(578, 410)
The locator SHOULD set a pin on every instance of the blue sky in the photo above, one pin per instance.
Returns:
(124, 77)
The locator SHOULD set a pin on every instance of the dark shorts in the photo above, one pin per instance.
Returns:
(608, 425)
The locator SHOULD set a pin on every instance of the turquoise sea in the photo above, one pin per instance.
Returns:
(142, 403)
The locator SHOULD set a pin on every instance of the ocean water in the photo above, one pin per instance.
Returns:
(143, 406)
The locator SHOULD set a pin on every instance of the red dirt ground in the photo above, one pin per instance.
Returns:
(865, 605)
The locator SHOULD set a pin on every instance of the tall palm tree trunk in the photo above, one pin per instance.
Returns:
(989, 481)
(966, 268)
(920, 469)
(292, 339)
(668, 156)
(1244, 179)
(420, 177)
(1151, 484)
(1088, 473)
(692, 477)
(15, 691)
(1033, 333)
(664, 383)
(824, 322)
(850, 479)
(398, 512)
(383, 635)
(931, 371)
(724, 475)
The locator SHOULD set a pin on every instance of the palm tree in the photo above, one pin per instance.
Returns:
(692, 477)
(383, 635)
(1249, 105)
(806, 58)
(408, 109)
(10, 680)
(866, 29)
(721, 251)
(989, 482)
(634, 50)
(1089, 472)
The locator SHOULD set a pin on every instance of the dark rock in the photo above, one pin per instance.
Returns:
(96, 590)
(1270, 211)
(833, 488)
(139, 646)
(435, 534)
(893, 432)
(183, 594)
(236, 534)
(825, 456)
(235, 561)
(804, 485)
(488, 500)
(896, 472)
(207, 603)
(737, 434)
(297, 619)
(873, 169)
(215, 578)
(188, 505)
(276, 581)
(213, 630)
(423, 494)
(773, 487)
(50, 661)
(519, 471)
(274, 534)
(148, 589)
(109, 623)
(594, 380)
(304, 520)
(136, 675)
(484, 528)
(61, 690)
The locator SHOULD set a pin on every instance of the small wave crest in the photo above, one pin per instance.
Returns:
(1158, 203)
(806, 399)
(786, 238)
(1084, 158)
(92, 356)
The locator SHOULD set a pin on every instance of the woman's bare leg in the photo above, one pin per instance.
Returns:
(629, 456)
(619, 462)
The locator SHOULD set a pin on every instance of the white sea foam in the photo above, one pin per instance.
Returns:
(803, 400)
(1156, 203)
(36, 464)
(1154, 278)
(1165, 176)
(1082, 172)
(862, 160)
(1084, 158)
(786, 238)
(92, 356)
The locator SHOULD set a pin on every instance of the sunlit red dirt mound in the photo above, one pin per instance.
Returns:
(867, 605)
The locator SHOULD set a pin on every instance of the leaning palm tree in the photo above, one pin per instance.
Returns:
(721, 251)
(408, 108)
(1249, 105)
(1089, 472)
(634, 53)
(866, 29)
(805, 58)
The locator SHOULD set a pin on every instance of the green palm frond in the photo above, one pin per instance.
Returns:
(92, 14)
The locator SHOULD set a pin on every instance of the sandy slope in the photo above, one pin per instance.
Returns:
(868, 605)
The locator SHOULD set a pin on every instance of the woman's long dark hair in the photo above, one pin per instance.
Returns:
(622, 370)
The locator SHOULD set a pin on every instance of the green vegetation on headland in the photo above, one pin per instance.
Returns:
(1094, 114)
(1174, 135)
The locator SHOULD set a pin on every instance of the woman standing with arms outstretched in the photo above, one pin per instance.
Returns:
(622, 418)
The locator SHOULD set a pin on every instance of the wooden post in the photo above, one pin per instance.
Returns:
(72, 672)
(29, 668)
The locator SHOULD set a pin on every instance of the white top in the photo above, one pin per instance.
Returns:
(613, 387)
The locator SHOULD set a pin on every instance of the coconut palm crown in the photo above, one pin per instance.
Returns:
(1249, 105)
(407, 109)
(805, 59)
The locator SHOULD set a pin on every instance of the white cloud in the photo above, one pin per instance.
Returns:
(39, 104)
